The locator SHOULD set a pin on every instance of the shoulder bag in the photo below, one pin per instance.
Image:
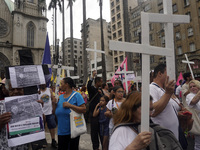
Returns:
(77, 122)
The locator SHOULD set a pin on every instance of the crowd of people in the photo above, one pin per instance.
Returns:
(110, 107)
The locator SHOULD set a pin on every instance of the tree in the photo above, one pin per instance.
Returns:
(102, 43)
(53, 4)
(70, 4)
(85, 70)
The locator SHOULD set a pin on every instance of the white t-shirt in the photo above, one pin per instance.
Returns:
(189, 98)
(184, 89)
(46, 98)
(121, 138)
(110, 106)
(168, 117)
(178, 90)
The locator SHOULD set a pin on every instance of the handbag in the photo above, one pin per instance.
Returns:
(185, 118)
(77, 122)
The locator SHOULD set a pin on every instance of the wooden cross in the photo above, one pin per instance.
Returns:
(146, 49)
(188, 62)
(125, 76)
(95, 55)
(59, 67)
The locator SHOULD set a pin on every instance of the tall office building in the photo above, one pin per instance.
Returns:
(93, 34)
(186, 36)
(78, 56)
(118, 10)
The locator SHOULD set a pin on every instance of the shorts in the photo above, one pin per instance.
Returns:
(104, 130)
(51, 122)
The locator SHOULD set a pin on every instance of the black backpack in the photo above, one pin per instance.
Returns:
(162, 139)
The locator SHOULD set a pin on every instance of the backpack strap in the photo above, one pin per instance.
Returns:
(133, 126)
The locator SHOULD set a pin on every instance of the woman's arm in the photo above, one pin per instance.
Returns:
(195, 99)
(96, 111)
(78, 109)
(108, 113)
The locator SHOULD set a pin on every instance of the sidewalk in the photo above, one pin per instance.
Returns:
(85, 142)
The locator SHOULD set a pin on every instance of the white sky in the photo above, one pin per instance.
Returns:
(92, 11)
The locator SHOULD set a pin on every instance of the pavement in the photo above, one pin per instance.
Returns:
(85, 142)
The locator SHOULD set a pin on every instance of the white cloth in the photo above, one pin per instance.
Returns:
(178, 90)
(189, 98)
(121, 138)
(46, 98)
(168, 117)
(184, 89)
(110, 106)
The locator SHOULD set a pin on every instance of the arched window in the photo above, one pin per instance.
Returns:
(30, 34)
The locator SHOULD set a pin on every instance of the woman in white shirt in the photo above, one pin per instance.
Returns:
(193, 101)
(124, 138)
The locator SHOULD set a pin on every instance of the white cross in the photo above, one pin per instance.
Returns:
(188, 62)
(59, 67)
(146, 49)
(95, 55)
(125, 76)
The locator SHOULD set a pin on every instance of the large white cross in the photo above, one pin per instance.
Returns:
(146, 49)
(125, 76)
(59, 67)
(95, 55)
(188, 62)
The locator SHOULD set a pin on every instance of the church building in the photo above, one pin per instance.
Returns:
(23, 26)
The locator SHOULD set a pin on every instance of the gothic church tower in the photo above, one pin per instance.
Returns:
(23, 25)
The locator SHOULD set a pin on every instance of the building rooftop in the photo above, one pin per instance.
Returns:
(10, 5)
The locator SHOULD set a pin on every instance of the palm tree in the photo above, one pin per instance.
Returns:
(127, 33)
(63, 21)
(102, 43)
(70, 4)
(85, 70)
(53, 4)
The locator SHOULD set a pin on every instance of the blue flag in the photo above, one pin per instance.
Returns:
(47, 59)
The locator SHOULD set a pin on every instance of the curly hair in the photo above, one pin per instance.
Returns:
(196, 82)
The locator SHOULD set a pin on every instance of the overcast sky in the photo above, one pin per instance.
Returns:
(92, 11)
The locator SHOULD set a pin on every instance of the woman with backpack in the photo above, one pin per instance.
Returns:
(126, 134)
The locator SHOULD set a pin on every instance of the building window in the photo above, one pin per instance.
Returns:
(150, 26)
(80, 52)
(163, 40)
(113, 19)
(116, 67)
(160, 2)
(75, 51)
(31, 1)
(118, 8)
(112, 4)
(178, 35)
(186, 2)
(119, 24)
(192, 47)
(116, 60)
(174, 8)
(114, 27)
(151, 37)
(120, 39)
(121, 58)
(69, 51)
(80, 43)
(151, 59)
(189, 14)
(190, 31)
(117, 1)
(118, 16)
(179, 49)
(199, 11)
(75, 46)
(30, 34)
(161, 11)
(119, 32)
(114, 35)
(68, 45)
(113, 12)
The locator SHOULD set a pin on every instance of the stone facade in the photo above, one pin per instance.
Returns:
(22, 26)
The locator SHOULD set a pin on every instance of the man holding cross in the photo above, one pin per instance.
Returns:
(165, 108)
